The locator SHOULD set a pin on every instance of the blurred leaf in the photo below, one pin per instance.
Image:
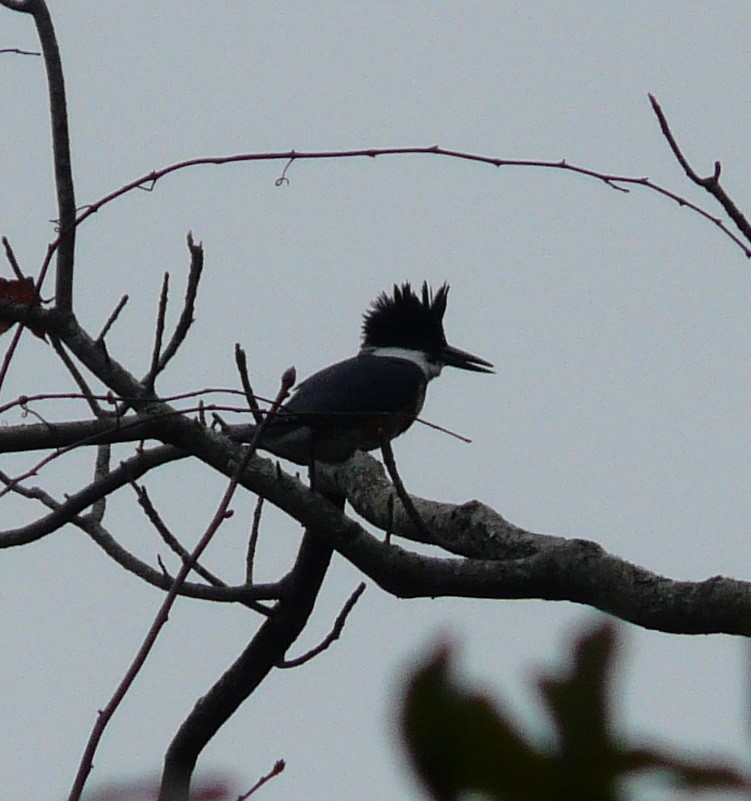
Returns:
(19, 291)
(461, 742)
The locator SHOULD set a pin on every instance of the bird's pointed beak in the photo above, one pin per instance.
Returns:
(453, 357)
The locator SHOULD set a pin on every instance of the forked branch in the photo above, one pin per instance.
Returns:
(710, 183)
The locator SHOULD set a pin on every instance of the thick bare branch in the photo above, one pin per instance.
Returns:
(25, 6)
(101, 469)
(66, 199)
(105, 715)
(505, 560)
(267, 647)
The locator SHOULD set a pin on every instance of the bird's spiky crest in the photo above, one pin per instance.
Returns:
(404, 319)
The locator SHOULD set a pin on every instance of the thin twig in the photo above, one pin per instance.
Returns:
(242, 367)
(86, 391)
(150, 378)
(253, 541)
(101, 470)
(20, 52)
(443, 430)
(68, 512)
(11, 256)
(110, 397)
(168, 537)
(279, 766)
(189, 305)
(409, 507)
(111, 319)
(332, 636)
(617, 182)
(710, 183)
(9, 354)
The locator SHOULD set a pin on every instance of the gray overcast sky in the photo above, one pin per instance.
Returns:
(618, 324)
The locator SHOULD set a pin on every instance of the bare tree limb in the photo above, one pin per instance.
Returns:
(102, 486)
(150, 377)
(711, 182)
(11, 256)
(268, 645)
(189, 305)
(26, 6)
(101, 469)
(66, 199)
(506, 561)
(111, 319)
(409, 507)
(250, 556)
(332, 636)
(169, 539)
(279, 766)
(79, 379)
(242, 368)
(221, 514)
(244, 594)
(105, 714)
(614, 181)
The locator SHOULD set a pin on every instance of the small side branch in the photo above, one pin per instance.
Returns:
(710, 183)
(150, 378)
(11, 256)
(250, 557)
(332, 636)
(86, 391)
(169, 539)
(111, 319)
(242, 368)
(189, 305)
(19, 51)
(404, 497)
(279, 766)
(101, 470)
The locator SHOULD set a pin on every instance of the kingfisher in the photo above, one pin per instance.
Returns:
(373, 397)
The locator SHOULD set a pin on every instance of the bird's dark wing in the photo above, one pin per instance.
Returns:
(364, 384)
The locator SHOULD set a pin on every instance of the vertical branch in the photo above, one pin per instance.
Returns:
(66, 199)
(265, 651)
(222, 513)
